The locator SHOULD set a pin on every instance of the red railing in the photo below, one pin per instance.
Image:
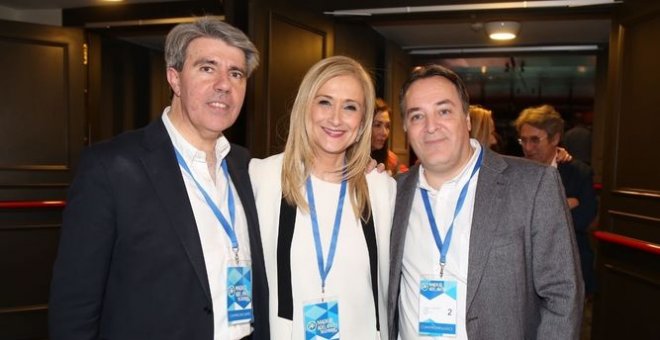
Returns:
(31, 204)
(627, 241)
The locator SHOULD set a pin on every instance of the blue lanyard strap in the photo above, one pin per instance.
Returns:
(325, 269)
(229, 228)
(443, 247)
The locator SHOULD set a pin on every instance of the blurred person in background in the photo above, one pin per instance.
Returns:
(380, 135)
(540, 129)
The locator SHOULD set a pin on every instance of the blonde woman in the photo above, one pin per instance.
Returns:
(483, 126)
(325, 224)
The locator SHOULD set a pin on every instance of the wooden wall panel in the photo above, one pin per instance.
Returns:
(42, 132)
(294, 48)
(28, 253)
(37, 126)
(642, 227)
(629, 285)
(639, 118)
(365, 45)
(398, 66)
(29, 323)
(290, 40)
(42, 129)
(625, 306)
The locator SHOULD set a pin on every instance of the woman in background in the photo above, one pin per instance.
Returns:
(324, 223)
(483, 130)
(483, 126)
(380, 135)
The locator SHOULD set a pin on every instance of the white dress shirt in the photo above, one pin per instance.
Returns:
(421, 256)
(216, 244)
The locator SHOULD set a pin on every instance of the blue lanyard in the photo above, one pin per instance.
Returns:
(443, 247)
(325, 269)
(229, 228)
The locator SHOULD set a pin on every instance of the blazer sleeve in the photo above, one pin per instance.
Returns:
(556, 271)
(83, 258)
(585, 213)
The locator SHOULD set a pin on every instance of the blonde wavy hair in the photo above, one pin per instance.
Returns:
(299, 154)
(481, 120)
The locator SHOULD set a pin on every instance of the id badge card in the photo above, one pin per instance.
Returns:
(437, 306)
(239, 292)
(321, 319)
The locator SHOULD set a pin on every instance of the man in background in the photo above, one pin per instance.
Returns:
(540, 129)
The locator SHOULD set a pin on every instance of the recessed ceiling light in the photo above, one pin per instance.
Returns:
(502, 30)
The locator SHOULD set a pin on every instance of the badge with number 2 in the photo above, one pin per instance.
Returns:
(437, 307)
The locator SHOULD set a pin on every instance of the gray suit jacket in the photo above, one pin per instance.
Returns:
(524, 280)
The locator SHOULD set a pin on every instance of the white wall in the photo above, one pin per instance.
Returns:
(51, 17)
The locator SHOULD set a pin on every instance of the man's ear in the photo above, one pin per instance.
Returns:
(469, 122)
(554, 140)
(174, 80)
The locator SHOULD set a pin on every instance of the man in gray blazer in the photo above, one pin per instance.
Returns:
(482, 244)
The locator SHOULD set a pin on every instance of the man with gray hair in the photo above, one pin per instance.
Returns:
(160, 238)
(540, 129)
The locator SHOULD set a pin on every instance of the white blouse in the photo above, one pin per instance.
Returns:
(349, 280)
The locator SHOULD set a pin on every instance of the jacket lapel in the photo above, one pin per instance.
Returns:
(406, 188)
(162, 168)
(488, 201)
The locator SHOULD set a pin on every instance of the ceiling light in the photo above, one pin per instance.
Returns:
(502, 30)
(473, 7)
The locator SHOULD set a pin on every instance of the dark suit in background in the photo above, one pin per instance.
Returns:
(577, 179)
(130, 262)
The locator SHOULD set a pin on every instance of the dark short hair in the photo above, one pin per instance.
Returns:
(434, 70)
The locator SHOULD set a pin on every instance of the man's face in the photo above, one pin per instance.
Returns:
(210, 87)
(537, 145)
(437, 127)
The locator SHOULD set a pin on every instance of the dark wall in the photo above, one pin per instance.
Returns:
(362, 43)
(626, 306)
(290, 40)
(42, 132)
(127, 86)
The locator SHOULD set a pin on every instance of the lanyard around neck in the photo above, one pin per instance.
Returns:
(324, 269)
(227, 226)
(443, 247)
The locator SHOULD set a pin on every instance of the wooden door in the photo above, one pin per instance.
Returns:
(290, 41)
(628, 258)
(42, 131)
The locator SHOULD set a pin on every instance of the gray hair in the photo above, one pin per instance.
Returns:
(181, 35)
(543, 117)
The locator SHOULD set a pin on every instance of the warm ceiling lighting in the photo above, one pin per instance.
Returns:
(474, 7)
(508, 49)
(502, 30)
